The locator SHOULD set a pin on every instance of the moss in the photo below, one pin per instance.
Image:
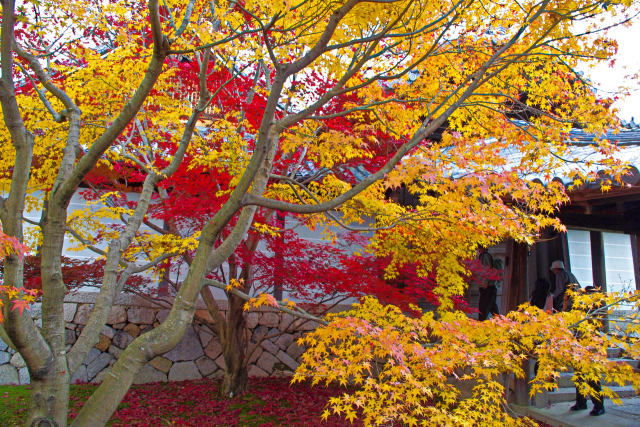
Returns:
(272, 402)
(13, 404)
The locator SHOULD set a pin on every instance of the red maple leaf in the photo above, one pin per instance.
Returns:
(20, 305)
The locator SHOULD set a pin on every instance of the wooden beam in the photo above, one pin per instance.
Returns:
(596, 194)
(621, 223)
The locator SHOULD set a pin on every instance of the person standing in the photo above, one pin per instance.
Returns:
(596, 397)
(540, 293)
(565, 280)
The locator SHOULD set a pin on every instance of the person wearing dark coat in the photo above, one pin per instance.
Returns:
(540, 293)
(596, 398)
(565, 280)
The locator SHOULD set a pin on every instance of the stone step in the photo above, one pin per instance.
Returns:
(566, 380)
(614, 352)
(566, 391)
(568, 394)
(635, 364)
(559, 415)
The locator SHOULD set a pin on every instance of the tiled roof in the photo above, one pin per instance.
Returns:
(581, 147)
(581, 153)
(625, 137)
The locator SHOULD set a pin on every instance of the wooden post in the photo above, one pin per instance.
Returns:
(564, 241)
(521, 385)
(277, 288)
(517, 273)
(635, 251)
(597, 260)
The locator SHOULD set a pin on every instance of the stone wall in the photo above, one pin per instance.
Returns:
(198, 355)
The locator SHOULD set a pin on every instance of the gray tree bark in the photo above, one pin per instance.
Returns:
(44, 351)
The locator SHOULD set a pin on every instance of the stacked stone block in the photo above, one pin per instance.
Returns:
(12, 367)
(198, 355)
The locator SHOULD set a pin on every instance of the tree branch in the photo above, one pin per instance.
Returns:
(63, 190)
(20, 328)
(296, 311)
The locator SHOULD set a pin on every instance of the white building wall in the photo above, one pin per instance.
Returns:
(580, 256)
(618, 259)
(78, 202)
(618, 262)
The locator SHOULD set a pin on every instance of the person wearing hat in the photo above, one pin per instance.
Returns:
(564, 280)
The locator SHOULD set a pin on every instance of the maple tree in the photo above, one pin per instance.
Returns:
(84, 86)
(409, 369)
(318, 276)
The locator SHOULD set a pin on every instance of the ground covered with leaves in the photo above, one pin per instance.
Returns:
(271, 402)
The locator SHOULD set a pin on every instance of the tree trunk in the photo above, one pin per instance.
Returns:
(234, 349)
(50, 391)
(49, 397)
(104, 401)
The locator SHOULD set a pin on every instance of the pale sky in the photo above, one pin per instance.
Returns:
(610, 79)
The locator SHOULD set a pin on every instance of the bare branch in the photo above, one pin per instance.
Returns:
(65, 189)
(296, 311)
